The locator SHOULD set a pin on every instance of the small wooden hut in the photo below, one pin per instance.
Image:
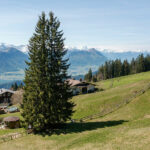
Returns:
(12, 122)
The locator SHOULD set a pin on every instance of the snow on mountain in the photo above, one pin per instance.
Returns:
(4, 47)
(81, 59)
(22, 48)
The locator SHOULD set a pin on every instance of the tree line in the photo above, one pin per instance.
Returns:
(15, 86)
(117, 68)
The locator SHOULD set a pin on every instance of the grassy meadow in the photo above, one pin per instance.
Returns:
(127, 128)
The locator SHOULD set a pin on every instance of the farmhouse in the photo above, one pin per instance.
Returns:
(81, 86)
(5, 96)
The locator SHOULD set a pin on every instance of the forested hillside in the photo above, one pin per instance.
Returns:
(117, 68)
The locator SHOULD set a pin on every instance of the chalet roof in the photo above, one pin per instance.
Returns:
(11, 119)
(73, 82)
(6, 90)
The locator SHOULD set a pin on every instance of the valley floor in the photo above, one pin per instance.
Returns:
(125, 128)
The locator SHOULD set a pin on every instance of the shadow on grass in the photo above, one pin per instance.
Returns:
(80, 127)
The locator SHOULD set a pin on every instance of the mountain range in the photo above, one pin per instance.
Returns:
(12, 58)
(81, 60)
(123, 55)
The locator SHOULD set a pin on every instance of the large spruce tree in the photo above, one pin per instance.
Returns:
(47, 95)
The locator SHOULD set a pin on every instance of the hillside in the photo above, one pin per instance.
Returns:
(125, 125)
(81, 60)
(11, 60)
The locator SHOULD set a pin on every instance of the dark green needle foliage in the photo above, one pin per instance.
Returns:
(88, 76)
(46, 101)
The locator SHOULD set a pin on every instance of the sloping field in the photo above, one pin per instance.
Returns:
(127, 127)
(116, 91)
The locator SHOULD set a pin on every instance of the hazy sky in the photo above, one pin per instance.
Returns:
(114, 24)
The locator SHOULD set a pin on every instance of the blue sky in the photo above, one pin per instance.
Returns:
(113, 24)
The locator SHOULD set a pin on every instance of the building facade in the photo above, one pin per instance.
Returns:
(81, 87)
(5, 96)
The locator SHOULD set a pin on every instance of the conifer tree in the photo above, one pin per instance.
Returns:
(94, 78)
(101, 73)
(15, 86)
(133, 66)
(147, 63)
(106, 70)
(21, 85)
(125, 68)
(88, 76)
(46, 101)
(140, 63)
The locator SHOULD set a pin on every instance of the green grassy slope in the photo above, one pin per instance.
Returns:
(127, 128)
(115, 91)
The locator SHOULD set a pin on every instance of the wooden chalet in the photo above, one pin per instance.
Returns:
(81, 87)
(5, 96)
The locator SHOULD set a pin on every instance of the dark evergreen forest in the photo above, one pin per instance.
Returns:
(117, 68)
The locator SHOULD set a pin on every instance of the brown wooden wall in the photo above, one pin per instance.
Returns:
(5, 97)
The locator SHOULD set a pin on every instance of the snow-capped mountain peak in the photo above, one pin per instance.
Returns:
(5, 47)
